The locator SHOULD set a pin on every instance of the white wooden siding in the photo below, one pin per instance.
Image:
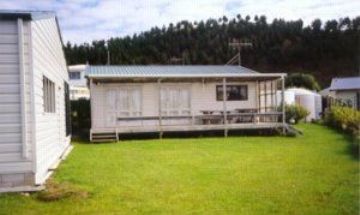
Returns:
(11, 145)
(49, 61)
(203, 97)
(347, 96)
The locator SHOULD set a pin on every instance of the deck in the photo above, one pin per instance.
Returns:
(208, 121)
(174, 128)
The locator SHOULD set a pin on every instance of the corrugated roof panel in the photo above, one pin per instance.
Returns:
(26, 14)
(345, 83)
(168, 71)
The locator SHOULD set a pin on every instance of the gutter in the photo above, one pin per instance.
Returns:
(266, 75)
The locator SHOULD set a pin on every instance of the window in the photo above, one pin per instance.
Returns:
(74, 75)
(129, 102)
(48, 95)
(124, 102)
(233, 92)
(175, 101)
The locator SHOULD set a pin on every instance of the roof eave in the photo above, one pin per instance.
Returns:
(25, 15)
(344, 89)
(260, 75)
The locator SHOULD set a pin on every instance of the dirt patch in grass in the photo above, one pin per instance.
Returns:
(56, 191)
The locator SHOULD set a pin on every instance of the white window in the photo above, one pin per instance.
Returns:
(48, 95)
(74, 75)
(129, 102)
(175, 101)
(124, 102)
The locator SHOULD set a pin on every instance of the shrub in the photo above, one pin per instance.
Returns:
(295, 112)
(344, 118)
(348, 120)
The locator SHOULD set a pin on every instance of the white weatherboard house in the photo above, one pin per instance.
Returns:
(34, 129)
(137, 99)
(77, 82)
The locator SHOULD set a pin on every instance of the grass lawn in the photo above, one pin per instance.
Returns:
(311, 174)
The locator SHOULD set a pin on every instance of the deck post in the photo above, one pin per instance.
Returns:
(283, 103)
(272, 101)
(224, 107)
(276, 89)
(265, 94)
(160, 114)
(272, 96)
(255, 118)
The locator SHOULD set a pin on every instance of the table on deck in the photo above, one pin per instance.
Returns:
(234, 116)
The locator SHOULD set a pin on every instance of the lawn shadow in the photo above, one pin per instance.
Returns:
(197, 134)
(352, 146)
(188, 134)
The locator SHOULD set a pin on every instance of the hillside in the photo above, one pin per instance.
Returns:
(325, 50)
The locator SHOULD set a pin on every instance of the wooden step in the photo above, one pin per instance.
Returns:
(103, 140)
(104, 137)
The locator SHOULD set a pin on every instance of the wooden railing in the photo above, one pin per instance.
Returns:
(215, 118)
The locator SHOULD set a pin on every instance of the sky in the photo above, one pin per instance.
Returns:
(87, 20)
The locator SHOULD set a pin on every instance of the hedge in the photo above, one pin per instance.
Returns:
(347, 120)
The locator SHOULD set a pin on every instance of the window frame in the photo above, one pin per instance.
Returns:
(181, 110)
(219, 92)
(127, 92)
(67, 103)
(78, 77)
(49, 96)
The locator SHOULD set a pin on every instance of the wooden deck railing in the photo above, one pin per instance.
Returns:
(214, 119)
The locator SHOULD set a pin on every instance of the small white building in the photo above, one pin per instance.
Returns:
(346, 90)
(136, 99)
(34, 110)
(78, 86)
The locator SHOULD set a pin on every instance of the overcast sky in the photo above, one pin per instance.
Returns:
(86, 20)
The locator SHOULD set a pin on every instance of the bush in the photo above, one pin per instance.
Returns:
(344, 118)
(348, 120)
(295, 112)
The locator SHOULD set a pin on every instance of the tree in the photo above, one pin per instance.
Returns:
(302, 80)
(324, 48)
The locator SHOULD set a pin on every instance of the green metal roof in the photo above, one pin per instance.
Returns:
(171, 71)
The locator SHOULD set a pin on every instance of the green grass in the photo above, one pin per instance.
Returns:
(310, 174)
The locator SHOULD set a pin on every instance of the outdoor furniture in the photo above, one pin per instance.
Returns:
(212, 117)
(245, 115)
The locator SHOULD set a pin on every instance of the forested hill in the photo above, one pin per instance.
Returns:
(325, 49)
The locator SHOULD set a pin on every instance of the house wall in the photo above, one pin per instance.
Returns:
(347, 96)
(16, 132)
(203, 97)
(78, 82)
(49, 61)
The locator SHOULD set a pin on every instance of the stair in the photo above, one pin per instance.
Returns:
(291, 129)
(104, 137)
